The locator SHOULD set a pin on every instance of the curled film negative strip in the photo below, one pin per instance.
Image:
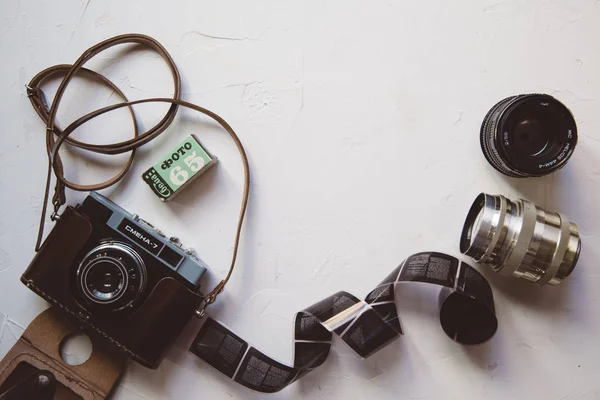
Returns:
(467, 316)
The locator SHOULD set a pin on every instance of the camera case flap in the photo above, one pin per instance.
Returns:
(38, 350)
(146, 332)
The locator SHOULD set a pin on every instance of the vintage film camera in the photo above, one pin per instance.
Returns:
(119, 277)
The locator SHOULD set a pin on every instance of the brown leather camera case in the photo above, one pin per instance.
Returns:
(39, 346)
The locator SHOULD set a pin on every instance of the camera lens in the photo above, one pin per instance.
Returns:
(106, 280)
(520, 239)
(111, 277)
(528, 135)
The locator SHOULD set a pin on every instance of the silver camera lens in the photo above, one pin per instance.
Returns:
(112, 276)
(520, 239)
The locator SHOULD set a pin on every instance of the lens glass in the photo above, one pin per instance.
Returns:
(105, 280)
(530, 136)
(472, 224)
(536, 133)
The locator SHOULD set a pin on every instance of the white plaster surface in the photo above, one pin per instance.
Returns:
(361, 121)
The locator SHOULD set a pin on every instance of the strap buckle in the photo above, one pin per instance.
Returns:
(201, 310)
(209, 299)
(36, 92)
(30, 91)
(55, 216)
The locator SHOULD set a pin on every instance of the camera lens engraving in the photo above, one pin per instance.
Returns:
(111, 277)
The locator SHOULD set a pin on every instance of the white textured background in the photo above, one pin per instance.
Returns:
(361, 120)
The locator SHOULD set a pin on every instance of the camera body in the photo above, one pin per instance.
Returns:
(119, 277)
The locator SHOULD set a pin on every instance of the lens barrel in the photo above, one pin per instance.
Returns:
(111, 277)
(520, 239)
(528, 135)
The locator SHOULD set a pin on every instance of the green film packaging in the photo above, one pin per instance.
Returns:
(186, 162)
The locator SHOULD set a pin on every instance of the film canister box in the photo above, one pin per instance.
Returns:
(178, 168)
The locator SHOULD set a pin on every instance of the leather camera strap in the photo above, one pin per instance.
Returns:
(56, 137)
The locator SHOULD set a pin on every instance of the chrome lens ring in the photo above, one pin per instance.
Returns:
(520, 239)
(477, 238)
(111, 277)
(561, 249)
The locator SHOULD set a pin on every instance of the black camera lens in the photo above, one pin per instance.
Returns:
(528, 135)
(111, 277)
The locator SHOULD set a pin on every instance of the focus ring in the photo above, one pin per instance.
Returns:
(487, 137)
